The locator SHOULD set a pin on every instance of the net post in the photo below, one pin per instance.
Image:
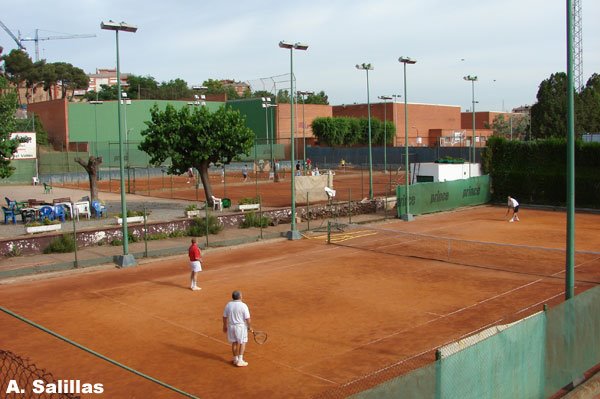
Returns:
(75, 238)
(328, 232)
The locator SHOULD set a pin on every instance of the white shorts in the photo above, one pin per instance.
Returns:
(237, 333)
(196, 266)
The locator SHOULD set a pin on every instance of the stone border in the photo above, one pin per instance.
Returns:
(28, 245)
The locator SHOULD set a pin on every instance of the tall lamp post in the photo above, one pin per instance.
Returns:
(407, 216)
(472, 79)
(126, 259)
(266, 104)
(385, 100)
(303, 95)
(367, 68)
(95, 103)
(293, 234)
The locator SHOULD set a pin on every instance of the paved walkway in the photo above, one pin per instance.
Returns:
(161, 210)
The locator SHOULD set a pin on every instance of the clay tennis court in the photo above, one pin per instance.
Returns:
(349, 184)
(335, 315)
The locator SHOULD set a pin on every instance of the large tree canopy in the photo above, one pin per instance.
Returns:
(8, 106)
(195, 138)
(549, 114)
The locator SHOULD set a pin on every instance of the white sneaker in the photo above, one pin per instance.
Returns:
(195, 288)
(241, 363)
(511, 220)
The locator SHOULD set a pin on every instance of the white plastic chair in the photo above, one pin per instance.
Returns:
(217, 203)
(82, 208)
(35, 180)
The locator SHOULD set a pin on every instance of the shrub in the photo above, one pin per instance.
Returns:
(250, 200)
(14, 252)
(62, 244)
(192, 207)
(251, 219)
(198, 226)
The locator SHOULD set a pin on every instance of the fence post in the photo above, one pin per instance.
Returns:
(75, 239)
(260, 216)
(349, 206)
(206, 213)
(145, 233)
(307, 213)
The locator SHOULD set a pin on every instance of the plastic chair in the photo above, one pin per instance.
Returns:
(81, 208)
(9, 213)
(99, 209)
(59, 213)
(35, 180)
(28, 215)
(46, 212)
(217, 203)
(47, 188)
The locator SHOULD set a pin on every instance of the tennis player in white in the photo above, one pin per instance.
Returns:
(512, 203)
(236, 323)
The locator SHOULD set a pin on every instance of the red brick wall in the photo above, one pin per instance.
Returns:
(421, 119)
(481, 119)
(54, 117)
(311, 111)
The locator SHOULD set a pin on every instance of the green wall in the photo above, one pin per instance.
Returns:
(84, 118)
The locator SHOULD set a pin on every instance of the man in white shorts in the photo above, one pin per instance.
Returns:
(514, 205)
(236, 323)
(195, 265)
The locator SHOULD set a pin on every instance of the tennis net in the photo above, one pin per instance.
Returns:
(524, 259)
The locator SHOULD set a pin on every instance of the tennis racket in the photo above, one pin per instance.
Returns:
(260, 337)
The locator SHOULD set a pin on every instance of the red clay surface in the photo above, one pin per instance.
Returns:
(350, 184)
(334, 314)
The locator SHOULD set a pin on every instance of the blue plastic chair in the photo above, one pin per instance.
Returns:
(46, 212)
(9, 213)
(99, 209)
(59, 213)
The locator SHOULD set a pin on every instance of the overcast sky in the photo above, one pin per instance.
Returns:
(511, 45)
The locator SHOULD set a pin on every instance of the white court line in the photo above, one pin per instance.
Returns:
(142, 311)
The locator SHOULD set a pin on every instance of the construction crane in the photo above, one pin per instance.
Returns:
(13, 36)
(37, 39)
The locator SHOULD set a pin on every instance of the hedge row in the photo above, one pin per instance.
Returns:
(348, 131)
(535, 172)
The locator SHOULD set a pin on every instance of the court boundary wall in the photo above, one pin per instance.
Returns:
(535, 358)
(443, 196)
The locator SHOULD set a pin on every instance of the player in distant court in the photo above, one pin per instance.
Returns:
(514, 205)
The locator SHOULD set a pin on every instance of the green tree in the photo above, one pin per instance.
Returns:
(195, 138)
(142, 87)
(318, 98)
(516, 126)
(17, 65)
(590, 103)
(8, 146)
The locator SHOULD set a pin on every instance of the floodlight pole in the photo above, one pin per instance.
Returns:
(570, 244)
(293, 234)
(385, 100)
(472, 79)
(95, 103)
(407, 216)
(368, 67)
(126, 259)
(303, 94)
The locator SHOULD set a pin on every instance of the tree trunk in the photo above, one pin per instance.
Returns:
(92, 166)
(203, 169)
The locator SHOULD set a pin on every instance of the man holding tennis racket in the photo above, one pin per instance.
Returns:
(514, 205)
(195, 265)
(236, 323)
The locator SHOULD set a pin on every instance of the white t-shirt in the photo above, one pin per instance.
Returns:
(236, 312)
(513, 203)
